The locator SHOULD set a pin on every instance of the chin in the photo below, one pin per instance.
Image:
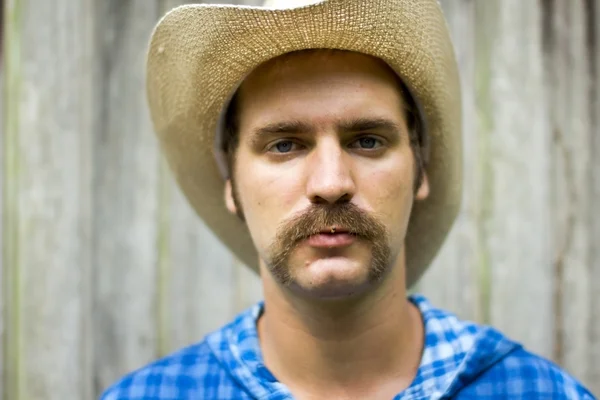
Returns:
(331, 278)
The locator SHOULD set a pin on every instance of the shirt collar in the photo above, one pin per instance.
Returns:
(448, 347)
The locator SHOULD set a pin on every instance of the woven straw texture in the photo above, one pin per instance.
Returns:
(199, 54)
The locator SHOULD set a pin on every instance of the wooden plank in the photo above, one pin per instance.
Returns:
(513, 117)
(126, 179)
(2, 158)
(47, 210)
(248, 287)
(452, 280)
(593, 376)
(568, 67)
(198, 276)
(11, 67)
(10, 315)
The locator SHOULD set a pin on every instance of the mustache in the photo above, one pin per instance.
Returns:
(322, 217)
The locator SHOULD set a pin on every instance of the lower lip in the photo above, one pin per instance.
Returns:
(326, 240)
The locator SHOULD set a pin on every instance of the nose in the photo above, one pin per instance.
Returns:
(330, 176)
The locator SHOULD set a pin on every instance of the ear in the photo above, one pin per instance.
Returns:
(229, 202)
(423, 191)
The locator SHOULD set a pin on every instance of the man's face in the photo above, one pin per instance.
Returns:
(324, 171)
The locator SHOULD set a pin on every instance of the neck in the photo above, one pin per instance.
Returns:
(363, 347)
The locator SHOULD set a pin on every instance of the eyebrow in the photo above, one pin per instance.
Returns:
(369, 124)
(292, 126)
(347, 126)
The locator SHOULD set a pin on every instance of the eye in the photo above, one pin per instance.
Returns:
(283, 146)
(366, 142)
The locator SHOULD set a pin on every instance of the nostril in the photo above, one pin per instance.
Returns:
(319, 200)
(345, 198)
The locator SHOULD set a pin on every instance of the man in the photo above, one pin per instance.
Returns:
(333, 130)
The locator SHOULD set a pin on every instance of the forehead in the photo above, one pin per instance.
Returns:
(323, 81)
(312, 65)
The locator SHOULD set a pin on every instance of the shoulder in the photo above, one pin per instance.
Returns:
(525, 375)
(479, 362)
(190, 373)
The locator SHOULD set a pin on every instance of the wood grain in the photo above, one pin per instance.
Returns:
(516, 225)
(3, 284)
(126, 201)
(3, 127)
(569, 95)
(199, 275)
(11, 69)
(48, 214)
(592, 378)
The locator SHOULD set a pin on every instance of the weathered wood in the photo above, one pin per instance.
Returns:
(10, 360)
(248, 287)
(2, 158)
(452, 280)
(593, 34)
(568, 82)
(516, 232)
(198, 276)
(126, 178)
(47, 226)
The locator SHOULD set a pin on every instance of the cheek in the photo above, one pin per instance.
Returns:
(393, 193)
(266, 188)
(267, 196)
(389, 192)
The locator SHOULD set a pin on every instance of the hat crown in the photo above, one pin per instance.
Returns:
(289, 3)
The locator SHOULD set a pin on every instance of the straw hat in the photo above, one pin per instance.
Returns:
(199, 54)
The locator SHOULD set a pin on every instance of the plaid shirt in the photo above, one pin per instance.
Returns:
(461, 360)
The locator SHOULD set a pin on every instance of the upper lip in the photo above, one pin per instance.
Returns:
(337, 230)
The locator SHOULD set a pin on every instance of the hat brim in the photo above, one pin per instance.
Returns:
(199, 54)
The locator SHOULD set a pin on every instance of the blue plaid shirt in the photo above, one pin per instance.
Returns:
(461, 360)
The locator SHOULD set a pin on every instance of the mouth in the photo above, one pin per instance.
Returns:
(334, 237)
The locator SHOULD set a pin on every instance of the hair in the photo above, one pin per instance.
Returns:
(415, 126)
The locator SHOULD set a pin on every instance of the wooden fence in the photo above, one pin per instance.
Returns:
(105, 267)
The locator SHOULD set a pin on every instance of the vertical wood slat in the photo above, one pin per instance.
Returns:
(452, 280)
(517, 185)
(593, 376)
(2, 159)
(126, 178)
(89, 73)
(11, 60)
(569, 79)
(47, 203)
(199, 274)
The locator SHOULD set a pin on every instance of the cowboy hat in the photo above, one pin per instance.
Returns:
(199, 54)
